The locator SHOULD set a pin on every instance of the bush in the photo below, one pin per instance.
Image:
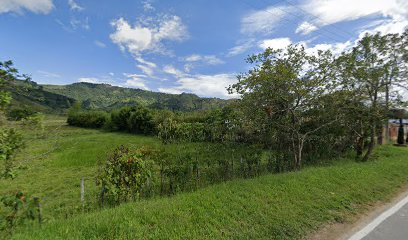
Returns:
(18, 114)
(10, 142)
(125, 174)
(140, 121)
(94, 119)
(137, 119)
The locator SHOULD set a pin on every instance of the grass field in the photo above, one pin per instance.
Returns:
(281, 206)
(52, 167)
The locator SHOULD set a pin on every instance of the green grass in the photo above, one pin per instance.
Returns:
(52, 167)
(284, 206)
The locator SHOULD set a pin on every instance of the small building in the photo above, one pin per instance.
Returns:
(394, 126)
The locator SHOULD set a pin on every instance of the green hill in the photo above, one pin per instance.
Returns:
(28, 94)
(105, 96)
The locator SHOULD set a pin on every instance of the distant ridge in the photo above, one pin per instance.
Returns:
(49, 98)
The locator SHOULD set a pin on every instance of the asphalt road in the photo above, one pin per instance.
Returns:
(395, 227)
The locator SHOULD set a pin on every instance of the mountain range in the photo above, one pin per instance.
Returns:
(58, 98)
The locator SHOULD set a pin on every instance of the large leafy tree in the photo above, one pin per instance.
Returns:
(10, 139)
(284, 93)
(371, 71)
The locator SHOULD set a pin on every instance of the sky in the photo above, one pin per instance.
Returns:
(175, 46)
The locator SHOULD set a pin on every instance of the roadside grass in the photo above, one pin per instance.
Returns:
(280, 206)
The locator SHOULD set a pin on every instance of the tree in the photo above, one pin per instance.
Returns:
(368, 72)
(285, 88)
(396, 54)
(10, 139)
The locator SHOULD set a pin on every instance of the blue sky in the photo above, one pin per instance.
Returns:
(196, 46)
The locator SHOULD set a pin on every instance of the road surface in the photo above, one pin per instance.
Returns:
(392, 224)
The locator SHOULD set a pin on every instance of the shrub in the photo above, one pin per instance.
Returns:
(18, 114)
(18, 208)
(10, 142)
(140, 121)
(136, 119)
(93, 119)
(125, 174)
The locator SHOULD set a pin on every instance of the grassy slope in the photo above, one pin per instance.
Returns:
(286, 206)
(53, 166)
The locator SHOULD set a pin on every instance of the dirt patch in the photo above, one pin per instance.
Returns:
(343, 231)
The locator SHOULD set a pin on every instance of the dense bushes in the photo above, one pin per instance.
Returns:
(129, 173)
(17, 114)
(135, 119)
(92, 119)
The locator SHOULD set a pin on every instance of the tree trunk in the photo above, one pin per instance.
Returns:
(373, 128)
(370, 146)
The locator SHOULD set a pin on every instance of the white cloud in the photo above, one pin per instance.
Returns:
(77, 23)
(145, 62)
(146, 69)
(136, 81)
(305, 28)
(264, 21)
(240, 48)
(208, 59)
(74, 6)
(335, 48)
(48, 74)
(100, 44)
(333, 11)
(147, 6)
(170, 69)
(140, 38)
(204, 85)
(387, 26)
(276, 43)
(18, 6)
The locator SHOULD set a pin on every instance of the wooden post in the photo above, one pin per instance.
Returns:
(82, 193)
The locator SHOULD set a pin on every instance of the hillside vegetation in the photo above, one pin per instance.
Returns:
(28, 94)
(105, 96)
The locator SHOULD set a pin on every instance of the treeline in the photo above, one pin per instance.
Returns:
(212, 125)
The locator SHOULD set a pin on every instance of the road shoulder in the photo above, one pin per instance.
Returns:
(343, 231)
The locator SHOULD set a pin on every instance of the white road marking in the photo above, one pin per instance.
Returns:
(377, 221)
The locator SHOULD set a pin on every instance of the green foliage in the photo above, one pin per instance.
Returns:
(17, 114)
(17, 209)
(276, 206)
(107, 97)
(136, 119)
(140, 120)
(91, 119)
(125, 174)
(10, 142)
(282, 93)
(5, 99)
(28, 94)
